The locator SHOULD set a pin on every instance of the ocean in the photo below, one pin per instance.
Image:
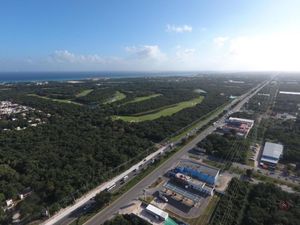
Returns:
(61, 76)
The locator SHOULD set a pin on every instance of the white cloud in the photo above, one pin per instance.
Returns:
(151, 52)
(64, 56)
(277, 51)
(179, 29)
(184, 54)
(220, 41)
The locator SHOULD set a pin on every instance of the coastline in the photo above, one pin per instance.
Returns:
(19, 77)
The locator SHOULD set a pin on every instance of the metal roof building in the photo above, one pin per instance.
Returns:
(272, 153)
(157, 212)
(202, 172)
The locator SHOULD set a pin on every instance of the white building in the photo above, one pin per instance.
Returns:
(271, 154)
(157, 212)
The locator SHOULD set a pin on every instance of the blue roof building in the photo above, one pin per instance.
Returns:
(201, 172)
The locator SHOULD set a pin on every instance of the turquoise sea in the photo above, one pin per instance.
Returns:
(60, 76)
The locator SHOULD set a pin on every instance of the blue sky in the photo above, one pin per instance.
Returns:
(90, 35)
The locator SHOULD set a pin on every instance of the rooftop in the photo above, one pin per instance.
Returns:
(182, 192)
(157, 211)
(273, 150)
(241, 120)
(211, 171)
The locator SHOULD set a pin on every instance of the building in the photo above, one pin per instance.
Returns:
(201, 172)
(271, 154)
(157, 212)
(194, 184)
(240, 126)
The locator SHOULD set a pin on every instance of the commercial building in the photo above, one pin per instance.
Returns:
(157, 212)
(201, 172)
(271, 154)
(194, 184)
(240, 126)
(180, 194)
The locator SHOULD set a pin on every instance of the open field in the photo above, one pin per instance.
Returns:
(55, 99)
(117, 97)
(144, 98)
(84, 93)
(165, 112)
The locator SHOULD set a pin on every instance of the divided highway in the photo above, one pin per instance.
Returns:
(137, 190)
(69, 214)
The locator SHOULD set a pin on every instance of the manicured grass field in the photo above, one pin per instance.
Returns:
(117, 97)
(164, 112)
(55, 99)
(144, 98)
(84, 93)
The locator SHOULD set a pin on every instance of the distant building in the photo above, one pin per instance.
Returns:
(201, 172)
(271, 154)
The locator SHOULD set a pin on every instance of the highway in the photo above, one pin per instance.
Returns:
(137, 190)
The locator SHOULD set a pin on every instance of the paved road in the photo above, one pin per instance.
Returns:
(137, 190)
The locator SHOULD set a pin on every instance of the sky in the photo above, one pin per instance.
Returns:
(149, 35)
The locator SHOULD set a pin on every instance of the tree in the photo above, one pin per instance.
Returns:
(102, 198)
(249, 173)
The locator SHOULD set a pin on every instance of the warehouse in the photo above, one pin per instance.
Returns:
(271, 154)
(157, 212)
(201, 172)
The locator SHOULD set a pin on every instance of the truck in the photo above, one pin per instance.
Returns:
(111, 187)
(124, 178)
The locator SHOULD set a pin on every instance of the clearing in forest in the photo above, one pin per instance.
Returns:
(143, 98)
(164, 112)
(84, 93)
(117, 97)
(55, 99)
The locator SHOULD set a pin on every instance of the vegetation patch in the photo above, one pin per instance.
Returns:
(165, 112)
(55, 99)
(231, 206)
(142, 98)
(223, 146)
(118, 96)
(84, 93)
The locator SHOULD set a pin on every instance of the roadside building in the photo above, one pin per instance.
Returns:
(157, 212)
(240, 126)
(194, 184)
(271, 154)
(201, 172)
